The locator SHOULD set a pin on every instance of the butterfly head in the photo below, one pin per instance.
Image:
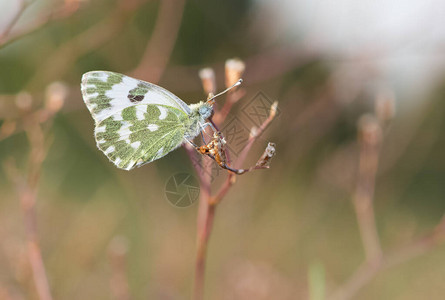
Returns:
(205, 110)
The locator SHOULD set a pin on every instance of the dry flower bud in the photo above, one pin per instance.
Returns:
(253, 132)
(234, 71)
(265, 159)
(273, 109)
(207, 76)
(369, 129)
(23, 101)
(56, 94)
(385, 106)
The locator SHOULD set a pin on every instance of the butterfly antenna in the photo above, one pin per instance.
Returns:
(226, 90)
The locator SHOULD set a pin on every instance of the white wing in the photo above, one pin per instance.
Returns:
(108, 93)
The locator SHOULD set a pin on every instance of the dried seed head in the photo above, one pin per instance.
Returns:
(234, 71)
(253, 132)
(207, 76)
(23, 101)
(55, 96)
(265, 159)
(273, 109)
(369, 128)
(270, 149)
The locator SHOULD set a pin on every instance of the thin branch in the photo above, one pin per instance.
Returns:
(90, 39)
(22, 7)
(206, 211)
(117, 251)
(66, 10)
(162, 41)
(27, 186)
(231, 179)
(216, 150)
(368, 270)
(370, 140)
(206, 214)
(255, 133)
(27, 190)
(377, 261)
(231, 99)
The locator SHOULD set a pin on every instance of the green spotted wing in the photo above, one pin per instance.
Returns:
(136, 121)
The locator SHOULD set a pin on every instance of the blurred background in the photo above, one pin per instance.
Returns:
(358, 132)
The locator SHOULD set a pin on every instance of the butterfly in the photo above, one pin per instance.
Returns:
(137, 122)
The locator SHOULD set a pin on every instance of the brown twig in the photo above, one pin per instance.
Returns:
(27, 190)
(5, 33)
(162, 41)
(207, 202)
(216, 150)
(35, 125)
(370, 140)
(368, 270)
(376, 260)
(117, 251)
(231, 179)
(95, 36)
(8, 37)
(231, 99)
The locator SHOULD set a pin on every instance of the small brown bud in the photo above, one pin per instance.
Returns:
(265, 159)
(234, 71)
(207, 76)
(273, 109)
(55, 96)
(253, 132)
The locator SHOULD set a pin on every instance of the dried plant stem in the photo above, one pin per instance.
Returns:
(27, 189)
(368, 270)
(231, 179)
(162, 41)
(255, 134)
(377, 261)
(231, 99)
(118, 251)
(364, 194)
(65, 56)
(5, 33)
(64, 11)
(208, 204)
(206, 214)
(206, 217)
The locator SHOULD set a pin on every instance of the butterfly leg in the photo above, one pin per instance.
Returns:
(203, 127)
(191, 143)
(203, 138)
(211, 125)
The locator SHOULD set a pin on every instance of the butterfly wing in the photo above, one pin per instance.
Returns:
(140, 134)
(108, 93)
(136, 121)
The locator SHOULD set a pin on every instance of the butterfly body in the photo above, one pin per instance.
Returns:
(137, 122)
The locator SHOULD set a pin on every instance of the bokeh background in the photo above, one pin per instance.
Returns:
(359, 84)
